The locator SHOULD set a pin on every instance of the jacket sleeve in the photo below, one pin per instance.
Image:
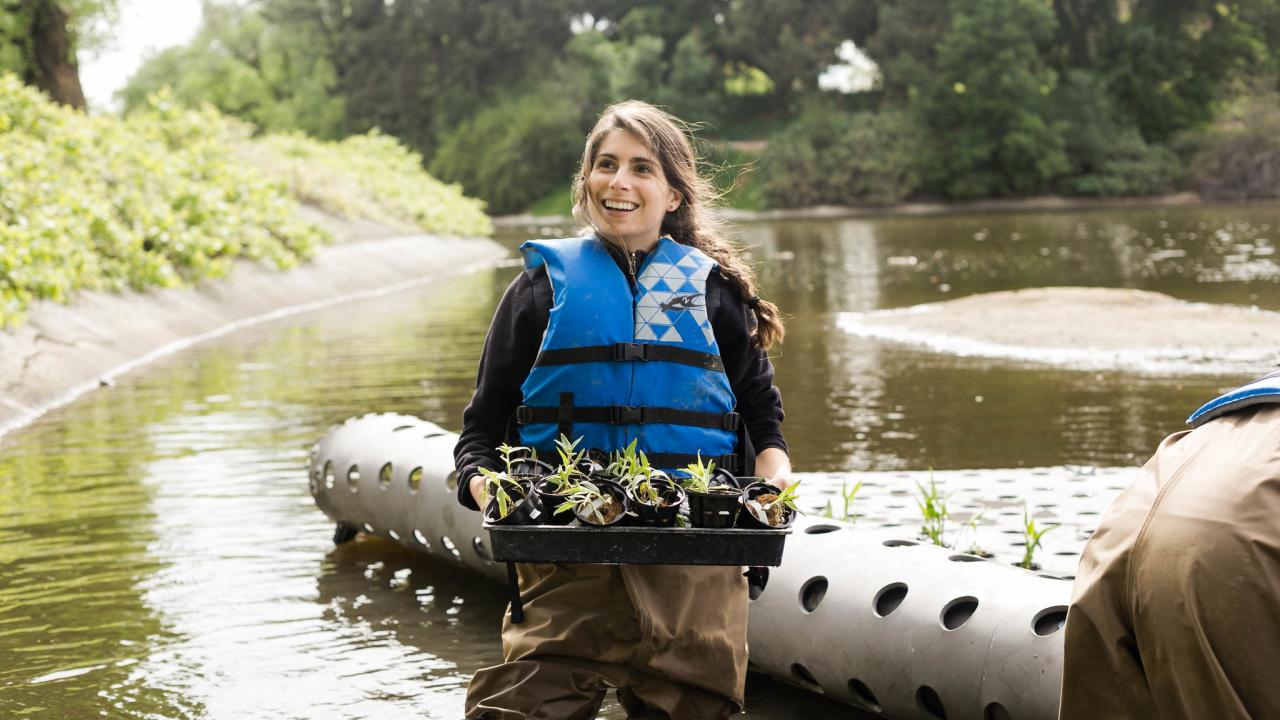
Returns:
(748, 367)
(510, 349)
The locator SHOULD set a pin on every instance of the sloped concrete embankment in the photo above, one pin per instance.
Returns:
(63, 351)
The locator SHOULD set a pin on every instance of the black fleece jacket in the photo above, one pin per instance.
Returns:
(515, 335)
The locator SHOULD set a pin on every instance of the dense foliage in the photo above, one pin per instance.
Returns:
(971, 99)
(829, 157)
(370, 176)
(170, 196)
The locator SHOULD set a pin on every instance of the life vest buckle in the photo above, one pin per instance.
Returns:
(731, 421)
(627, 415)
(624, 351)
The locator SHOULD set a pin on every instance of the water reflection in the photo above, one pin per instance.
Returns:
(160, 555)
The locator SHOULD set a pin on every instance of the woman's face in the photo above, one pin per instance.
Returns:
(627, 193)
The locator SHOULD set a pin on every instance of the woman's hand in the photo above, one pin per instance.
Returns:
(476, 486)
(774, 465)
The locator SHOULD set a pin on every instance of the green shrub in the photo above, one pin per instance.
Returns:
(1238, 156)
(1107, 156)
(990, 127)
(514, 152)
(831, 157)
(366, 176)
(158, 200)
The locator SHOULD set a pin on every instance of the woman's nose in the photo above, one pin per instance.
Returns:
(621, 179)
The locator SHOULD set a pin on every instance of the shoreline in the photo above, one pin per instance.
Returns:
(64, 351)
(927, 209)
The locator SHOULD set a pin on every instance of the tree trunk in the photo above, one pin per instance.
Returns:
(53, 68)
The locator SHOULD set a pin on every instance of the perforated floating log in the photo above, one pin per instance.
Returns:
(884, 624)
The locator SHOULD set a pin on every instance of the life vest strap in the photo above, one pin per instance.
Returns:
(630, 415)
(628, 352)
(731, 462)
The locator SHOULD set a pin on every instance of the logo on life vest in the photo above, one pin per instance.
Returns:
(681, 302)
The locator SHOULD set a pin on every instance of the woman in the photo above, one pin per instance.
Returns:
(646, 328)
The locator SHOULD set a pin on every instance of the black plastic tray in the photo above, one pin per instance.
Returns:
(636, 545)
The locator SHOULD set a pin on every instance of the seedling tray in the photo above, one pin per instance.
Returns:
(636, 545)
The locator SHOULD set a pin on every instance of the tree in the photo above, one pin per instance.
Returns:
(273, 75)
(905, 44)
(39, 39)
(792, 42)
(987, 110)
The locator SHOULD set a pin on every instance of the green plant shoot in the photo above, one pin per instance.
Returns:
(1031, 535)
(933, 507)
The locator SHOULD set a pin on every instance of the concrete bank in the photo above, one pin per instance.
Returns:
(63, 351)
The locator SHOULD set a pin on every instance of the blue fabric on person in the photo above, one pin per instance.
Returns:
(1262, 390)
(593, 304)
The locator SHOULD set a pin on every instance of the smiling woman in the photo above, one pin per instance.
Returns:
(628, 194)
(651, 310)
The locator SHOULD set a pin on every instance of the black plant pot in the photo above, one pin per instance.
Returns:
(748, 519)
(619, 495)
(651, 515)
(721, 476)
(524, 512)
(715, 509)
(529, 466)
(549, 499)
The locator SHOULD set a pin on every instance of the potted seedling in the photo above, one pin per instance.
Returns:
(595, 502)
(507, 501)
(713, 500)
(767, 507)
(554, 488)
(653, 498)
(507, 493)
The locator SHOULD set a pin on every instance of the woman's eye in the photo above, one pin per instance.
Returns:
(642, 168)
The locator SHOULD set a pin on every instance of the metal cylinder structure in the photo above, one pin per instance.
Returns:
(889, 625)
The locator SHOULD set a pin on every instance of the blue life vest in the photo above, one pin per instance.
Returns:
(1262, 390)
(618, 364)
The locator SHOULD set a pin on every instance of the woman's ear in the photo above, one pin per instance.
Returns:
(675, 201)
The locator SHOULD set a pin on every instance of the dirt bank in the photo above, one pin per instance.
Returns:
(1088, 328)
(63, 351)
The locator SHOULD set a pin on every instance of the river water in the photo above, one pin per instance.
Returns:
(160, 556)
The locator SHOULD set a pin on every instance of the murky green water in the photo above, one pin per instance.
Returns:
(160, 556)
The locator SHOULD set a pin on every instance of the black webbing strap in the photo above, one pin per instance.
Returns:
(627, 352)
(625, 415)
(564, 415)
(731, 462)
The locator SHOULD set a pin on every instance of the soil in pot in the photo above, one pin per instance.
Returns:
(661, 513)
(609, 509)
(760, 509)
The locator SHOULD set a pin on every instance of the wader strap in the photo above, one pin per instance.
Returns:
(627, 352)
(564, 415)
(625, 415)
(517, 605)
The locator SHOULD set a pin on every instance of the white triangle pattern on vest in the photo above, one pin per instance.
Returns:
(663, 287)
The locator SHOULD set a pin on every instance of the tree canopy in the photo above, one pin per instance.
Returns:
(979, 98)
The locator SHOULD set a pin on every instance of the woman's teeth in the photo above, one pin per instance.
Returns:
(619, 205)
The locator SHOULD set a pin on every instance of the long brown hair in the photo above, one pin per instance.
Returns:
(668, 138)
